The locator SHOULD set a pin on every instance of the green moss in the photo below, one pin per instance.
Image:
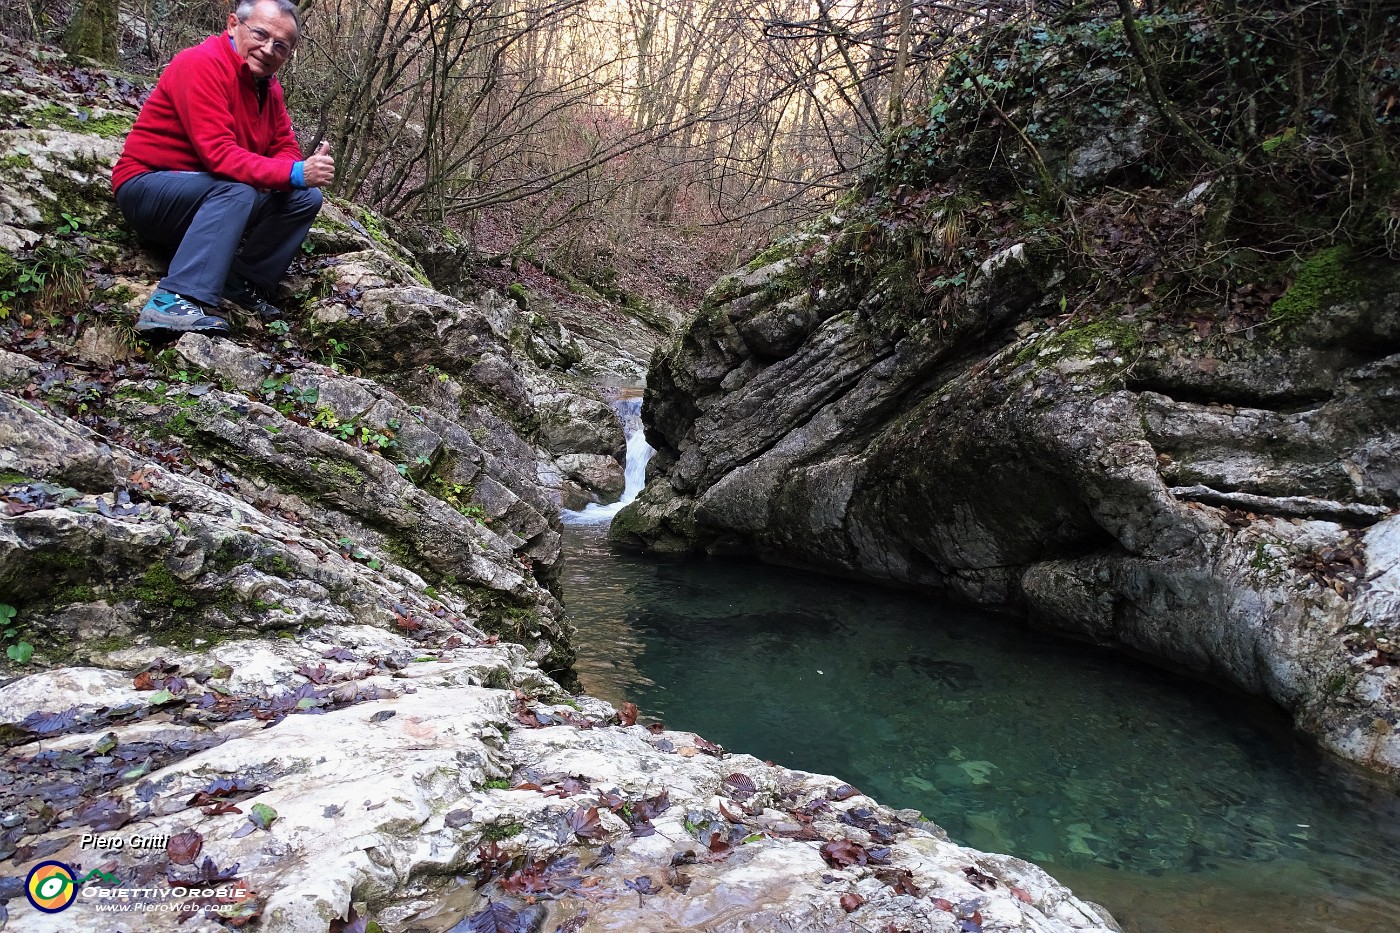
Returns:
(65, 559)
(628, 525)
(498, 831)
(370, 221)
(117, 295)
(94, 647)
(228, 556)
(497, 784)
(1283, 142)
(174, 419)
(724, 291)
(92, 32)
(783, 249)
(514, 623)
(131, 392)
(1119, 337)
(1027, 352)
(1335, 684)
(461, 496)
(1265, 562)
(110, 126)
(338, 471)
(190, 634)
(16, 160)
(274, 564)
(159, 585)
(1322, 280)
(47, 581)
(177, 425)
(325, 225)
(77, 593)
(374, 227)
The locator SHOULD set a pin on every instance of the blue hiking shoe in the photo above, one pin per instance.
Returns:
(169, 313)
(250, 298)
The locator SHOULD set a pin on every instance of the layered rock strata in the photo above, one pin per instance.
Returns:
(1227, 508)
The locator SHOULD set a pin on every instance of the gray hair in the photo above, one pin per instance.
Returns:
(285, 7)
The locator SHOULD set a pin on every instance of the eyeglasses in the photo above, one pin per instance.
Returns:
(263, 37)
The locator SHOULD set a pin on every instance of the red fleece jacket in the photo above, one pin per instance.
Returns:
(204, 116)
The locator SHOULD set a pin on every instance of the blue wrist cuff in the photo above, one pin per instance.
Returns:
(299, 175)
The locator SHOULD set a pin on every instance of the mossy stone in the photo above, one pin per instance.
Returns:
(1323, 279)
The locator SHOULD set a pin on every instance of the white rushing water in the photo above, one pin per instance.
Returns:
(638, 453)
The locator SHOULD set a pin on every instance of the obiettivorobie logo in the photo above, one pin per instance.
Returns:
(53, 886)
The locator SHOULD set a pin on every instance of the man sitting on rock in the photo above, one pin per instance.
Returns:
(212, 168)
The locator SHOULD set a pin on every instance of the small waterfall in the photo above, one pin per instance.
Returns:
(638, 453)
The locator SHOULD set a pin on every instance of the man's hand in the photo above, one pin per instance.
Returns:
(319, 169)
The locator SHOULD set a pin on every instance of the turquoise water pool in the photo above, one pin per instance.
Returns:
(1178, 806)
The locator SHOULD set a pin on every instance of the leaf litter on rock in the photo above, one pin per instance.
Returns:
(843, 853)
(738, 787)
(184, 848)
(643, 885)
(979, 878)
(497, 917)
(206, 872)
(583, 822)
(627, 716)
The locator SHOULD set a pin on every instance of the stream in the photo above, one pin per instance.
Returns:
(1178, 806)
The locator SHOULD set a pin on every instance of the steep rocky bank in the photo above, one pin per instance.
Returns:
(1027, 399)
(282, 615)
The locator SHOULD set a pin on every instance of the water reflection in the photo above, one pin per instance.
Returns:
(1153, 795)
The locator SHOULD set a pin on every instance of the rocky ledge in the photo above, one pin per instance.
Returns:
(298, 725)
(355, 773)
(1226, 507)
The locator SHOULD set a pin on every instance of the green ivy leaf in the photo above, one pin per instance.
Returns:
(140, 770)
(20, 653)
(262, 815)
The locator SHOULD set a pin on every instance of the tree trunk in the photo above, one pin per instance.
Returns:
(93, 31)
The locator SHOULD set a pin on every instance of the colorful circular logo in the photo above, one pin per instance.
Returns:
(51, 887)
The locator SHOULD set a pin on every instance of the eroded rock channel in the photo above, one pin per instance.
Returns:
(287, 640)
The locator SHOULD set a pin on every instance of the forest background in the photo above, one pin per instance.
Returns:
(631, 146)
(635, 149)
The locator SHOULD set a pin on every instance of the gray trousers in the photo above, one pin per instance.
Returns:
(206, 218)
